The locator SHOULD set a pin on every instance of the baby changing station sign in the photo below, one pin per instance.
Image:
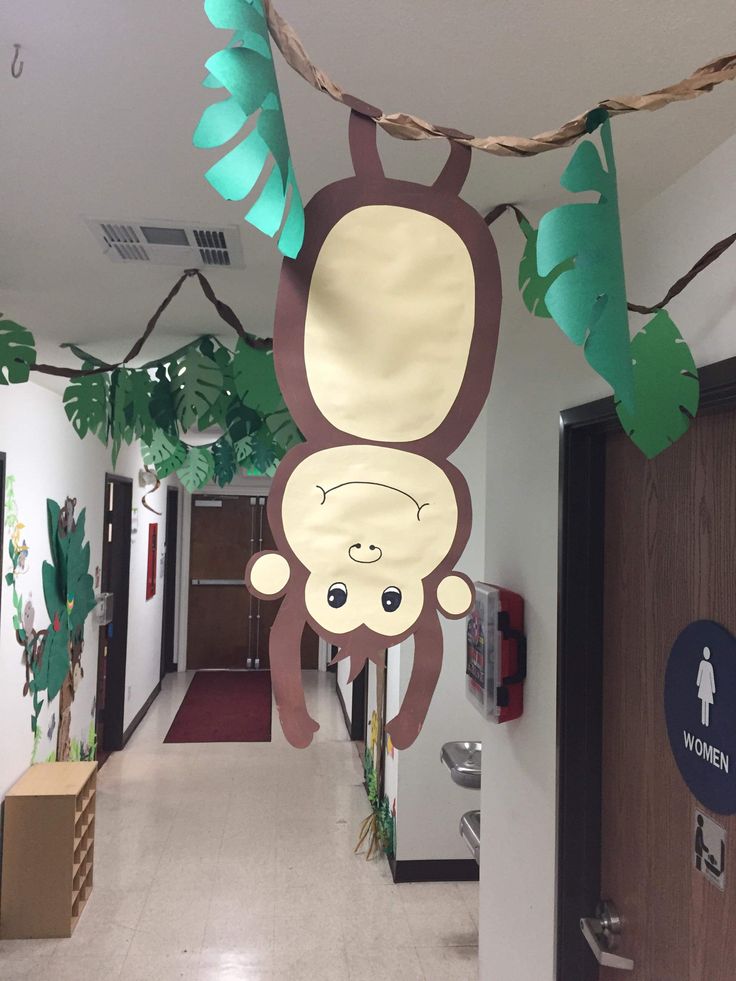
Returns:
(700, 709)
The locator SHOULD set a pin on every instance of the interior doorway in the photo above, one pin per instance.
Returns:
(113, 640)
(647, 548)
(168, 624)
(227, 627)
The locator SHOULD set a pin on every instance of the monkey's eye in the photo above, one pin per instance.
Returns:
(391, 598)
(337, 595)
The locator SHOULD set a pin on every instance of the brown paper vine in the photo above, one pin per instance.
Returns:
(405, 126)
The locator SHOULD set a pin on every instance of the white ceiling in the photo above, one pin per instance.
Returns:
(100, 124)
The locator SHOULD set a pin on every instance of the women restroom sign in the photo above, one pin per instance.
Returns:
(700, 709)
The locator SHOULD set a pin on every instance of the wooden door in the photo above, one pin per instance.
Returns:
(670, 559)
(229, 628)
(113, 639)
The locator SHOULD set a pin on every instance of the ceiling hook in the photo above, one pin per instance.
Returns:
(16, 69)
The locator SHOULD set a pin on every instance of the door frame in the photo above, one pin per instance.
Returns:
(583, 432)
(113, 729)
(168, 610)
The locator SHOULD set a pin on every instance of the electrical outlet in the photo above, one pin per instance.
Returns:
(130, 691)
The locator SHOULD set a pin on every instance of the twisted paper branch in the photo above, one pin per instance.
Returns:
(405, 126)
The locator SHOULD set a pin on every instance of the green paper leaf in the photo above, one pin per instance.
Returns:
(246, 71)
(164, 453)
(666, 387)
(198, 468)
(532, 286)
(588, 301)
(216, 415)
(226, 465)
(161, 406)
(254, 376)
(284, 431)
(241, 420)
(196, 382)
(263, 451)
(17, 353)
(86, 404)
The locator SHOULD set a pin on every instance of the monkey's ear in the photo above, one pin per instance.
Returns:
(455, 595)
(267, 574)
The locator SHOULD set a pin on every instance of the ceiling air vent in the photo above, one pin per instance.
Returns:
(169, 243)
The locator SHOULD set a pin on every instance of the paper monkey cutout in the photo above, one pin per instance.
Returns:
(385, 336)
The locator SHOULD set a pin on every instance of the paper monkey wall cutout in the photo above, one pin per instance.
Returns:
(385, 336)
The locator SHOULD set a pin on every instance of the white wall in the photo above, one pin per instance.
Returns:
(48, 460)
(429, 804)
(143, 662)
(538, 373)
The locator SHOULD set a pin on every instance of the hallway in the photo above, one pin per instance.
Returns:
(230, 861)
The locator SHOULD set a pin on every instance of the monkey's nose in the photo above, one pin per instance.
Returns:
(363, 554)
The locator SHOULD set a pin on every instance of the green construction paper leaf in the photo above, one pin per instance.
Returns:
(588, 301)
(217, 412)
(532, 286)
(164, 453)
(198, 468)
(161, 406)
(86, 401)
(243, 449)
(226, 465)
(246, 71)
(54, 591)
(284, 431)
(666, 387)
(196, 382)
(263, 451)
(242, 421)
(254, 377)
(17, 353)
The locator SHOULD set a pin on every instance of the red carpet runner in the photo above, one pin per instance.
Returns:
(224, 707)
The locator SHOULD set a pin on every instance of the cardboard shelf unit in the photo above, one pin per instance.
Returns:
(48, 850)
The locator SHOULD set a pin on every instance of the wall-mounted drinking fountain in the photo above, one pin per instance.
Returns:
(463, 760)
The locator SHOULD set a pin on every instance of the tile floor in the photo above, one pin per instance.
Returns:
(234, 862)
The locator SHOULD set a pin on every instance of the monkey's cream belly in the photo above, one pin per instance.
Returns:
(372, 522)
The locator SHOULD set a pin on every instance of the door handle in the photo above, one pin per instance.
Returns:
(601, 932)
(218, 582)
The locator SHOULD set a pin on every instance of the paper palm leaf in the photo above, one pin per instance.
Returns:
(164, 453)
(86, 404)
(589, 301)
(246, 70)
(197, 469)
(196, 383)
(666, 387)
(532, 286)
(17, 352)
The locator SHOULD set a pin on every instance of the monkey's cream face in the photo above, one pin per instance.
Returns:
(370, 523)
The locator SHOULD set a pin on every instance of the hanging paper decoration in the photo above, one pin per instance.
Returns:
(246, 70)
(666, 387)
(201, 385)
(17, 352)
(588, 301)
(385, 337)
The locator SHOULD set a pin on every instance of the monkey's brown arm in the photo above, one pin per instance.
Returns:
(404, 728)
(286, 673)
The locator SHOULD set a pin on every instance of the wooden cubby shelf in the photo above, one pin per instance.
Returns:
(48, 850)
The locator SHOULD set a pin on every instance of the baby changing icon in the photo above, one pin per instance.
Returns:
(706, 686)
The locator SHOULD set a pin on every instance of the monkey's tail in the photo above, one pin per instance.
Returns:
(358, 653)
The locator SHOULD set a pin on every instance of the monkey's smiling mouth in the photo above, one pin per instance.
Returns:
(371, 483)
(371, 548)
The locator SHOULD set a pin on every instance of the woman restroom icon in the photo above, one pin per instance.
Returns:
(706, 686)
